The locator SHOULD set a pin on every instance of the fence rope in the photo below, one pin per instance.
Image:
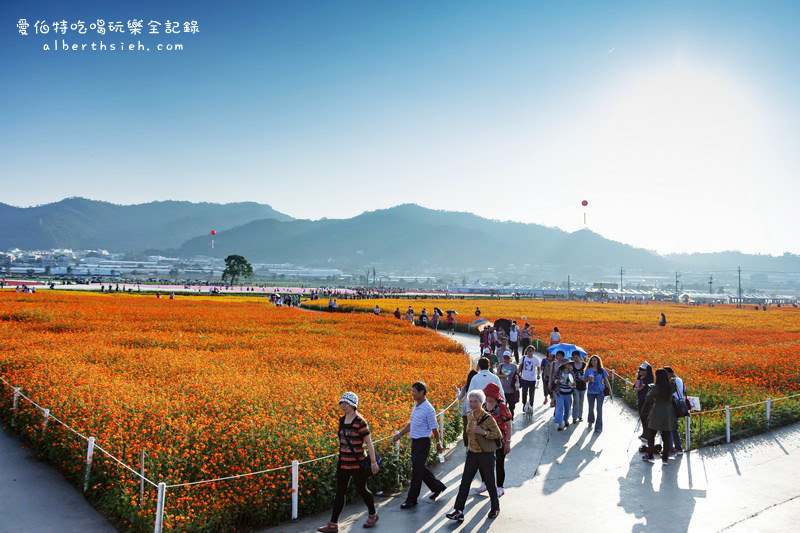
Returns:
(307, 461)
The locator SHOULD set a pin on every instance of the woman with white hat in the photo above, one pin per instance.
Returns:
(353, 436)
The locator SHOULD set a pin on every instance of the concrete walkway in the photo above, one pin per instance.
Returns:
(35, 498)
(565, 481)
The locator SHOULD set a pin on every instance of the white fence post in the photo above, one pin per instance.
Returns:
(769, 409)
(397, 456)
(46, 419)
(14, 405)
(613, 375)
(162, 490)
(441, 426)
(295, 487)
(727, 424)
(89, 453)
(689, 432)
(141, 480)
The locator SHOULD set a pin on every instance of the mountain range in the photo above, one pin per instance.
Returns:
(79, 223)
(401, 237)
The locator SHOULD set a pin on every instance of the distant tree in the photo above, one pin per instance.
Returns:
(173, 272)
(69, 270)
(47, 270)
(236, 267)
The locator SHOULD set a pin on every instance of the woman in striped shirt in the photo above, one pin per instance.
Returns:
(353, 435)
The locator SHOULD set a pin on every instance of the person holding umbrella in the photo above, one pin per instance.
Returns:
(451, 322)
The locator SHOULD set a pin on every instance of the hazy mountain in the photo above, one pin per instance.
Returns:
(82, 223)
(412, 236)
(725, 260)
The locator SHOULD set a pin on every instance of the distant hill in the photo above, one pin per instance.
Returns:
(723, 260)
(412, 236)
(82, 223)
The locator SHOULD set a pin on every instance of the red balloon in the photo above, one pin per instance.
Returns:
(213, 232)
(584, 203)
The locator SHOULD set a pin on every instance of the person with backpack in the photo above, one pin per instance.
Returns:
(679, 399)
(528, 373)
(354, 436)
(661, 416)
(596, 378)
(485, 439)
(644, 379)
(462, 397)
(565, 386)
(496, 407)
(578, 396)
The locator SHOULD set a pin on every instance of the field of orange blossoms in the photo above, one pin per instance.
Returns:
(727, 356)
(210, 387)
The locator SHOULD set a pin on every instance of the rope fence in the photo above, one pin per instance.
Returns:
(162, 486)
(726, 409)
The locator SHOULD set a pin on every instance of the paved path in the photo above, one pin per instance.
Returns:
(556, 481)
(34, 497)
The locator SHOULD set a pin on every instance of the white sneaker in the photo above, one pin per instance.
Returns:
(500, 491)
(481, 489)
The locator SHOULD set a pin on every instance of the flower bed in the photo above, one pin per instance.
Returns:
(210, 387)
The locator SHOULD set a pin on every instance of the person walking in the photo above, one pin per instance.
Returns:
(545, 370)
(555, 337)
(679, 396)
(513, 339)
(596, 378)
(451, 323)
(483, 432)
(565, 385)
(644, 379)
(528, 374)
(508, 373)
(462, 397)
(525, 337)
(421, 425)
(354, 436)
(661, 416)
(484, 377)
(496, 407)
(578, 396)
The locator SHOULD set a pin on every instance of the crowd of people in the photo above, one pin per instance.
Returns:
(573, 384)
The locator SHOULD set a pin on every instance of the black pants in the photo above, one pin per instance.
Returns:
(666, 443)
(524, 343)
(515, 349)
(500, 466)
(527, 386)
(419, 470)
(342, 480)
(484, 462)
(510, 401)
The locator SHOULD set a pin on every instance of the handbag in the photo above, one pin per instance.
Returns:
(487, 445)
(365, 463)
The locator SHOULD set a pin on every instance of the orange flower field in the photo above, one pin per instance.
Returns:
(210, 387)
(727, 356)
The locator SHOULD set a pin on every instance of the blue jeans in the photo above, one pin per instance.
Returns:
(563, 405)
(599, 399)
(577, 403)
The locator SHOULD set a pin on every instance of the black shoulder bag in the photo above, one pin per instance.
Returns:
(365, 463)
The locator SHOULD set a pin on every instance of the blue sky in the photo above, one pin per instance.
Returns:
(677, 121)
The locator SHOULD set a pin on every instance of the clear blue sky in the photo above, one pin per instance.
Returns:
(678, 121)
